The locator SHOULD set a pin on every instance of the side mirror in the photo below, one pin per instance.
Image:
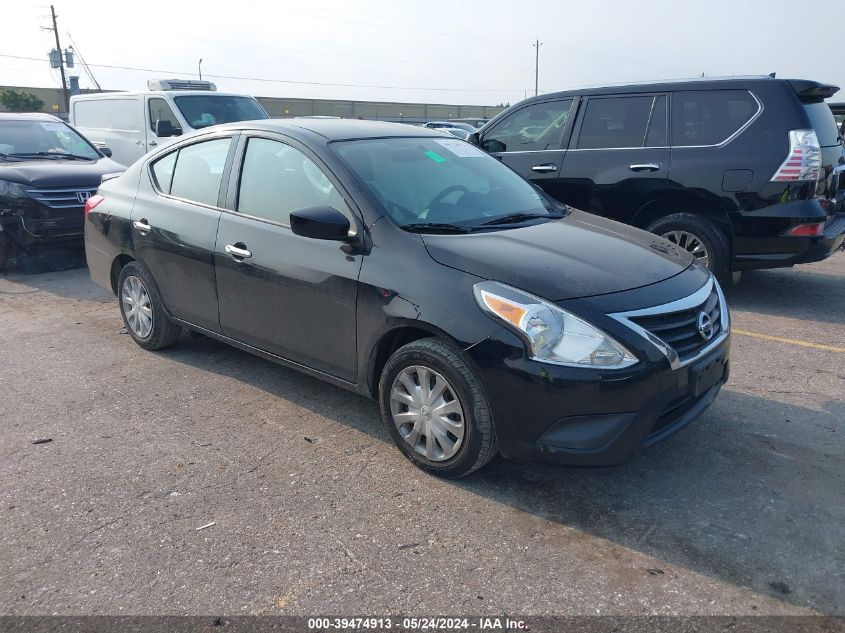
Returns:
(105, 151)
(164, 128)
(320, 223)
(474, 139)
(493, 146)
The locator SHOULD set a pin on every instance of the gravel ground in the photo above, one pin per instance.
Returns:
(315, 512)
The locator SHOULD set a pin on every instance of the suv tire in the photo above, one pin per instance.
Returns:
(693, 233)
(425, 437)
(148, 325)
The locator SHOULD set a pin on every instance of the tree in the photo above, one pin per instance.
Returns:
(20, 101)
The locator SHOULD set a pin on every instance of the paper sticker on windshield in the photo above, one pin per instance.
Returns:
(53, 126)
(437, 158)
(461, 149)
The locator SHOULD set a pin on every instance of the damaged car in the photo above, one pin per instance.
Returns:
(47, 173)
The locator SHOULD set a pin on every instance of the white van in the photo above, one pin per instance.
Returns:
(132, 123)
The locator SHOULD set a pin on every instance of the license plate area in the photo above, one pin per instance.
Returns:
(705, 374)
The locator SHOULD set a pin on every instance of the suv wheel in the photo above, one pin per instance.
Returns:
(698, 235)
(143, 311)
(436, 410)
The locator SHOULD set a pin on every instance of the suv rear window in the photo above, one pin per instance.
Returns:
(823, 122)
(709, 117)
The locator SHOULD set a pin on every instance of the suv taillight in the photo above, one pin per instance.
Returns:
(92, 202)
(805, 158)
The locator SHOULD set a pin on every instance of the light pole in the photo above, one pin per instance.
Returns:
(199, 68)
(537, 45)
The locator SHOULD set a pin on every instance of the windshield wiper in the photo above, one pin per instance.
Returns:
(514, 218)
(49, 155)
(437, 227)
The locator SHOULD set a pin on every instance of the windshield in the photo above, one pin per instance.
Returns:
(426, 181)
(48, 138)
(203, 110)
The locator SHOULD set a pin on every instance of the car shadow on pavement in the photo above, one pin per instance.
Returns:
(789, 292)
(750, 494)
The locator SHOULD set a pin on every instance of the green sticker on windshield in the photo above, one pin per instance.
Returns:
(437, 158)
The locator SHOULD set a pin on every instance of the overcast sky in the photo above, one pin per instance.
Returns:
(436, 51)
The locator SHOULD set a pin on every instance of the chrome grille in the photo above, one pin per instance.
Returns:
(680, 329)
(62, 198)
(674, 327)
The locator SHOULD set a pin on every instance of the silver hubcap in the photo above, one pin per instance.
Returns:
(691, 243)
(426, 412)
(137, 307)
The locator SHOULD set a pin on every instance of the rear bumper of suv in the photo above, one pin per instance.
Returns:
(578, 417)
(760, 240)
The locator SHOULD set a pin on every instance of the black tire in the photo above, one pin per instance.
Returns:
(478, 445)
(706, 231)
(4, 251)
(164, 332)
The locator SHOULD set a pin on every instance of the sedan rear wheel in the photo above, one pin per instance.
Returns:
(142, 309)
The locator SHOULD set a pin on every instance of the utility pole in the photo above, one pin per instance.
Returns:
(537, 45)
(199, 68)
(65, 97)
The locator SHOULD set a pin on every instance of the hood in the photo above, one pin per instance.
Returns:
(53, 172)
(580, 255)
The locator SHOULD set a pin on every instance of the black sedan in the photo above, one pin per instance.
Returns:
(417, 270)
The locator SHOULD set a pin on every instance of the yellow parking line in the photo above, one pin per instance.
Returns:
(790, 341)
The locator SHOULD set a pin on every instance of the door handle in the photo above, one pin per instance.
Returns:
(544, 169)
(142, 226)
(645, 167)
(153, 143)
(237, 253)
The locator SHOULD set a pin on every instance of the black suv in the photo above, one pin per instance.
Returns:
(741, 172)
(47, 172)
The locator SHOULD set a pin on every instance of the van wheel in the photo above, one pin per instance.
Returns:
(143, 311)
(698, 235)
(436, 410)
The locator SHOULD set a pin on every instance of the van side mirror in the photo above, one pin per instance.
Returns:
(164, 128)
(320, 223)
(105, 151)
(474, 139)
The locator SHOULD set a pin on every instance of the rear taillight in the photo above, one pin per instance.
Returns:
(92, 202)
(812, 229)
(805, 158)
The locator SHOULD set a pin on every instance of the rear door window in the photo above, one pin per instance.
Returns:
(615, 122)
(536, 127)
(199, 171)
(710, 117)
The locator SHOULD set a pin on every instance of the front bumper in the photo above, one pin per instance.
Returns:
(586, 417)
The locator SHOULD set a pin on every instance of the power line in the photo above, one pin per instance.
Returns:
(283, 81)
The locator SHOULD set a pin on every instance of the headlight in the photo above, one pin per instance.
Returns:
(9, 189)
(552, 334)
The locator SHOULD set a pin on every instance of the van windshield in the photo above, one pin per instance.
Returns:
(203, 110)
(43, 139)
(437, 184)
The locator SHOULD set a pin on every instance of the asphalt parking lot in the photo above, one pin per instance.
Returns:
(315, 512)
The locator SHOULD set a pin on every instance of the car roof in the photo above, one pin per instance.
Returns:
(666, 85)
(334, 129)
(28, 116)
